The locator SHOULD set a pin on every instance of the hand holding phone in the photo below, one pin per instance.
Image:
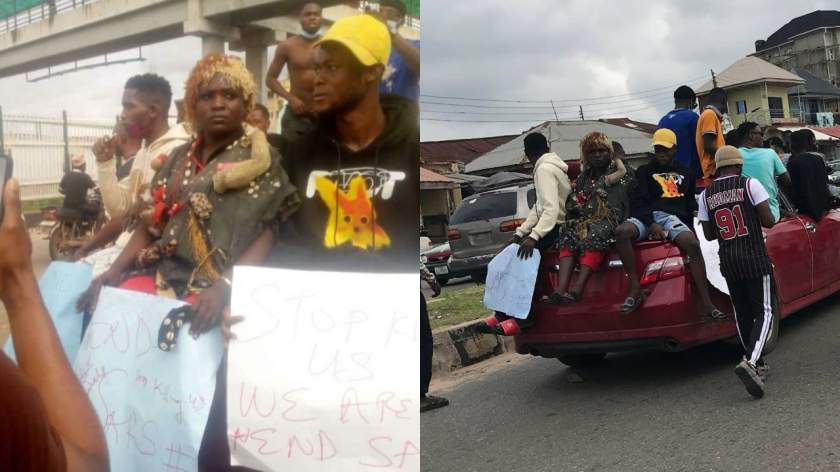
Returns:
(5, 175)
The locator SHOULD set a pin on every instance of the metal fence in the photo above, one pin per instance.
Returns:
(18, 13)
(41, 146)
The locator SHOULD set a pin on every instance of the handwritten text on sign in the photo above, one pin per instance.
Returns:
(153, 405)
(324, 372)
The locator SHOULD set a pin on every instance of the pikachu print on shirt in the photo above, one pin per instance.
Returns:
(350, 196)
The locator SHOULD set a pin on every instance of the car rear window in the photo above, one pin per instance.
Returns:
(485, 207)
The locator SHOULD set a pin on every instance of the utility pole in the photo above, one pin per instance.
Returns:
(714, 79)
(555, 110)
(581, 113)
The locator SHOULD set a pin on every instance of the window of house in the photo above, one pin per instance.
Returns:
(776, 108)
(741, 105)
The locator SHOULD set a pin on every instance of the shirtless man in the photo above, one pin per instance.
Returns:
(296, 52)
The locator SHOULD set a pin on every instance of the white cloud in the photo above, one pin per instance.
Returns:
(553, 49)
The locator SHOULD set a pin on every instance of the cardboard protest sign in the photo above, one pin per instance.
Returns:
(509, 287)
(710, 255)
(60, 286)
(153, 405)
(323, 374)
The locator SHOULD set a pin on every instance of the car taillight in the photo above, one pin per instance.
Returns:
(453, 234)
(510, 225)
(663, 269)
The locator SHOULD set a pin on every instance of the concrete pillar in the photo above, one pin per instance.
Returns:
(212, 44)
(256, 60)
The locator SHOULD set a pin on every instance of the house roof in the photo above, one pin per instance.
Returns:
(464, 150)
(428, 176)
(565, 139)
(649, 128)
(799, 25)
(821, 134)
(750, 70)
(833, 131)
(813, 86)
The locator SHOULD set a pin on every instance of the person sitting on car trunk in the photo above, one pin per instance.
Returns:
(763, 164)
(663, 207)
(809, 175)
(732, 210)
(593, 212)
(540, 227)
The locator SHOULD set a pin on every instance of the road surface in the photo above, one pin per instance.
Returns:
(40, 261)
(647, 411)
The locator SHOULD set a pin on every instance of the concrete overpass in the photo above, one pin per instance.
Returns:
(108, 26)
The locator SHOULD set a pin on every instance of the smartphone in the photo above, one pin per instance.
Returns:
(5, 174)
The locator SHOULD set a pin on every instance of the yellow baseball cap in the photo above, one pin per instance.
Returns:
(664, 137)
(365, 36)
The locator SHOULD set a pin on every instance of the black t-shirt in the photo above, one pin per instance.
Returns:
(663, 188)
(359, 209)
(74, 185)
(810, 184)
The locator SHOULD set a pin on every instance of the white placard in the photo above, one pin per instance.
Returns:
(153, 405)
(510, 282)
(324, 373)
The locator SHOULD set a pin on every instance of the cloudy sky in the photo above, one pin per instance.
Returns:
(634, 52)
(572, 51)
(95, 93)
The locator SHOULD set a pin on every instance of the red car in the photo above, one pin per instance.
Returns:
(806, 260)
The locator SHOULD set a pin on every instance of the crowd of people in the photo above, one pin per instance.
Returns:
(188, 202)
(612, 206)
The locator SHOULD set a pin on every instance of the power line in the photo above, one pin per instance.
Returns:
(697, 79)
(613, 109)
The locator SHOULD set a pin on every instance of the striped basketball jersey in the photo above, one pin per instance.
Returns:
(729, 205)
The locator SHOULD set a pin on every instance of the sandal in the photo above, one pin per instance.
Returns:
(632, 304)
(571, 296)
(509, 328)
(555, 299)
(431, 402)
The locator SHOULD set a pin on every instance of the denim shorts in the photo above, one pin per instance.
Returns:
(672, 225)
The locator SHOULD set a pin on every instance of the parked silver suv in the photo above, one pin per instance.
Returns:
(483, 223)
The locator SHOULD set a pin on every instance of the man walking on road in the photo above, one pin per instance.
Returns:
(296, 53)
(732, 210)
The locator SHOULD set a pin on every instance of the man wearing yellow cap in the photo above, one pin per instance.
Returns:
(358, 169)
(662, 207)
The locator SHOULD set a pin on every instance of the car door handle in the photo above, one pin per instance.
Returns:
(811, 227)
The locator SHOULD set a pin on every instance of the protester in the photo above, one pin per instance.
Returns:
(48, 421)
(74, 186)
(402, 75)
(540, 228)
(709, 136)
(185, 246)
(662, 207)
(732, 209)
(427, 402)
(261, 118)
(593, 212)
(762, 164)
(358, 170)
(146, 101)
(808, 175)
(778, 145)
(296, 53)
(682, 120)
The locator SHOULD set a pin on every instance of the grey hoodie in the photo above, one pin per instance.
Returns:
(553, 187)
